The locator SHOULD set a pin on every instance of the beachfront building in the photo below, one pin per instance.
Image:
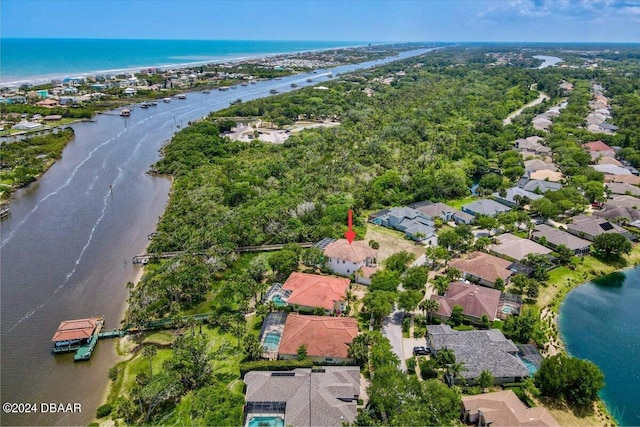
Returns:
(327, 338)
(355, 258)
(479, 350)
(503, 409)
(322, 396)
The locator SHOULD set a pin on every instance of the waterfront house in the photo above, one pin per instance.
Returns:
(483, 268)
(347, 259)
(475, 301)
(327, 338)
(48, 103)
(26, 125)
(516, 248)
(319, 396)
(309, 291)
(486, 207)
(553, 237)
(503, 409)
(479, 350)
(589, 227)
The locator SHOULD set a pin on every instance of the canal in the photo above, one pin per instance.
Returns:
(68, 243)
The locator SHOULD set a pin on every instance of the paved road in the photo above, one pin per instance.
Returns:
(392, 329)
(516, 113)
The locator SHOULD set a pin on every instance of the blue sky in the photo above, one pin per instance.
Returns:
(343, 20)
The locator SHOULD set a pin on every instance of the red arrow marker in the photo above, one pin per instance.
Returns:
(350, 234)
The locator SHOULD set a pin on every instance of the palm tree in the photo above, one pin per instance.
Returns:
(429, 306)
(149, 352)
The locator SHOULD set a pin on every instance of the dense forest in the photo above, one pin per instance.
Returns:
(426, 128)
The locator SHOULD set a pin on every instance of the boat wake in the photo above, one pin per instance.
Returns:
(57, 190)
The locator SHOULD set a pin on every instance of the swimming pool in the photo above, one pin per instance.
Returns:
(272, 340)
(530, 366)
(278, 300)
(507, 309)
(266, 422)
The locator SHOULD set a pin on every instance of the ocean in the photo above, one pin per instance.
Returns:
(600, 321)
(39, 60)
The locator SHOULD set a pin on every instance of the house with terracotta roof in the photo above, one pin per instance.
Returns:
(327, 338)
(598, 146)
(48, 103)
(71, 333)
(503, 409)
(322, 396)
(483, 268)
(312, 290)
(513, 247)
(357, 258)
(476, 301)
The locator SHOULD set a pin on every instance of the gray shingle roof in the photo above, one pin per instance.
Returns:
(485, 207)
(312, 398)
(558, 237)
(479, 350)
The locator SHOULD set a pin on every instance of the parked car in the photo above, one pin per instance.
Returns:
(421, 351)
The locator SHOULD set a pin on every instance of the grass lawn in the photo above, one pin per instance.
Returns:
(562, 279)
(457, 203)
(162, 338)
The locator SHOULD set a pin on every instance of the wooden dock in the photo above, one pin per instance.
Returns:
(144, 258)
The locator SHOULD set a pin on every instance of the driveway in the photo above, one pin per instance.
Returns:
(392, 329)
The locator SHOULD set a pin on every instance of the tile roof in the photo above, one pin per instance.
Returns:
(76, 329)
(516, 247)
(322, 397)
(629, 179)
(358, 251)
(559, 237)
(546, 175)
(324, 336)
(623, 188)
(597, 146)
(504, 409)
(609, 161)
(478, 350)
(475, 300)
(484, 266)
(537, 164)
(312, 290)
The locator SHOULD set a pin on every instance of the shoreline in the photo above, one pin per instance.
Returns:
(550, 313)
(46, 79)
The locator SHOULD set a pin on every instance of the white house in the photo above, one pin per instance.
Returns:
(356, 258)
